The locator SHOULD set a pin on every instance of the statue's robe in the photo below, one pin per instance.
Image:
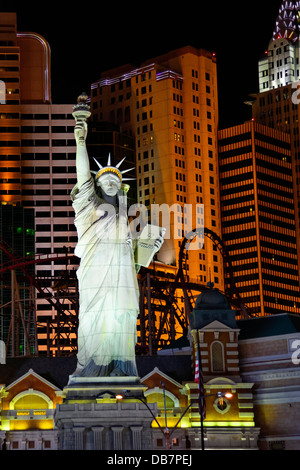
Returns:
(108, 288)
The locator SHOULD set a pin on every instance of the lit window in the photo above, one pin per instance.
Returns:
(217, 357)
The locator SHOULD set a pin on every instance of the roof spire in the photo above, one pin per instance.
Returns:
(210, 284)
(288, 21)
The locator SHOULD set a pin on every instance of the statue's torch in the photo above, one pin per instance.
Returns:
(82, 110)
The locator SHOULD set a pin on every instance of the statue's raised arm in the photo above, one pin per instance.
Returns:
(81, 114)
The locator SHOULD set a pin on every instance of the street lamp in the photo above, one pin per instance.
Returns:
(119, 396)
(226, 395)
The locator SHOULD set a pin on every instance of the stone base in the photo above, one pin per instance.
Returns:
(105, 426)
(97, 388)
(92, 418)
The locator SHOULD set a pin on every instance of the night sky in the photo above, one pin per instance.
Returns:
(101, 35)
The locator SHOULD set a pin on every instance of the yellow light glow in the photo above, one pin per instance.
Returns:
(24, 425)
(224, 424)
(5, 425)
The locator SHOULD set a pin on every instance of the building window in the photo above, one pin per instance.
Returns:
(217, 357)
(277, 445)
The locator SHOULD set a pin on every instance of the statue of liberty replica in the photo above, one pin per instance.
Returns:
(107, 275)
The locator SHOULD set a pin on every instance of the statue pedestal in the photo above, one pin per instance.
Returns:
(82, 388)
(91, 418)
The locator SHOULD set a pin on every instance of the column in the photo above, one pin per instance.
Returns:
(98, 440)
(78, 433)
(136, 437)
(117, 433)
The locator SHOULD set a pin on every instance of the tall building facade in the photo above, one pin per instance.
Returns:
(48, 174)
(169, 105)
(277, 103)
(37, 163)
(258, 217)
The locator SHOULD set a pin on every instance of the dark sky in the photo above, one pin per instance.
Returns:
(88, 39)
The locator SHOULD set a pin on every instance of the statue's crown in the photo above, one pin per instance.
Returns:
(111, 169)
(108, 169)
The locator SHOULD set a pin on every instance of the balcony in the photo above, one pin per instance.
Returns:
(27, 414)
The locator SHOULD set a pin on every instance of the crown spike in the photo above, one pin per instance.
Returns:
(126, 171)
(100, 166)
(112, 169)
(120, 163)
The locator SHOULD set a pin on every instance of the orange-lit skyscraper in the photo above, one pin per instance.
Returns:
(258, 217)
(170, 106)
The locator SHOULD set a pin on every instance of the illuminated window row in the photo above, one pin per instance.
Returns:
(236, 214)
(278, 253)
(274, 229)
(281, 197)
(270, 270)
(266, 207)
(272, 173)
(232, 164)
(280, 221)
(288, 242)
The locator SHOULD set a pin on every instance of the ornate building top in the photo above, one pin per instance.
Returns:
(288, 21)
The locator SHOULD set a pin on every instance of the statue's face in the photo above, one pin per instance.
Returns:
(109, 183)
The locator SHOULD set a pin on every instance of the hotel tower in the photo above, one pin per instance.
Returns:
(258, 217)
(169, 104)
(259, 179)
(37, 167)
(277, 103)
